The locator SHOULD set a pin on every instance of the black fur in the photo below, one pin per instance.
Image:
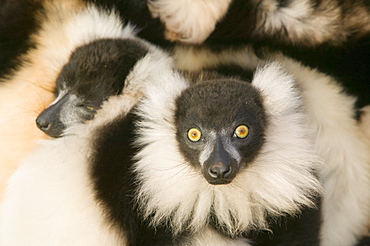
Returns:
(365, 241)
(115, 183)
(98, 70)
(236, 71)
(17, 22)
(299, 230)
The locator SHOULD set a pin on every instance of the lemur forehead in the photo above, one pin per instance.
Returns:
(99, 69)
(102, 55)
(110, 48)
(219, 104)
(218, 94)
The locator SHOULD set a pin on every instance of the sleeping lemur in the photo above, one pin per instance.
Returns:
(52, 30)
(102, 80)
(28, 88)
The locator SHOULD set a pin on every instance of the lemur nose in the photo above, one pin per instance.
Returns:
(219, 170)
(42, 124)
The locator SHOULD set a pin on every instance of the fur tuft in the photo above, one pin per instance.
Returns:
(180, 25)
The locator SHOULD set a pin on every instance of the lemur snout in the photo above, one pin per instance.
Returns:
(48, 121)
(219, 171)
(42, 124)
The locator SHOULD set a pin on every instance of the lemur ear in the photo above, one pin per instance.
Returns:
(277, 87)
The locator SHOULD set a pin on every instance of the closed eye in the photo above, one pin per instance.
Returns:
(89, 108)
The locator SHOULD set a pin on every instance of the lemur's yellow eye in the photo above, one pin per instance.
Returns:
(90, 108)
(241, 131)
(194, 135)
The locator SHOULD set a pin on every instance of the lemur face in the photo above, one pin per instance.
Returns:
(94, 72)
(220, 136)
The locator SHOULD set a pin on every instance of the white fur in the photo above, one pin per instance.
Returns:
(273, 184)
(233, 152)
(208, 149)
(190, 21)
(346, 152)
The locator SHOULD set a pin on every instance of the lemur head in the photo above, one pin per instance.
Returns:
(94, 72)
(220, 136)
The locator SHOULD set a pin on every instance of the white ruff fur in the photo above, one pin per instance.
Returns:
(279, 181)
(189, 21)
(67, 25)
